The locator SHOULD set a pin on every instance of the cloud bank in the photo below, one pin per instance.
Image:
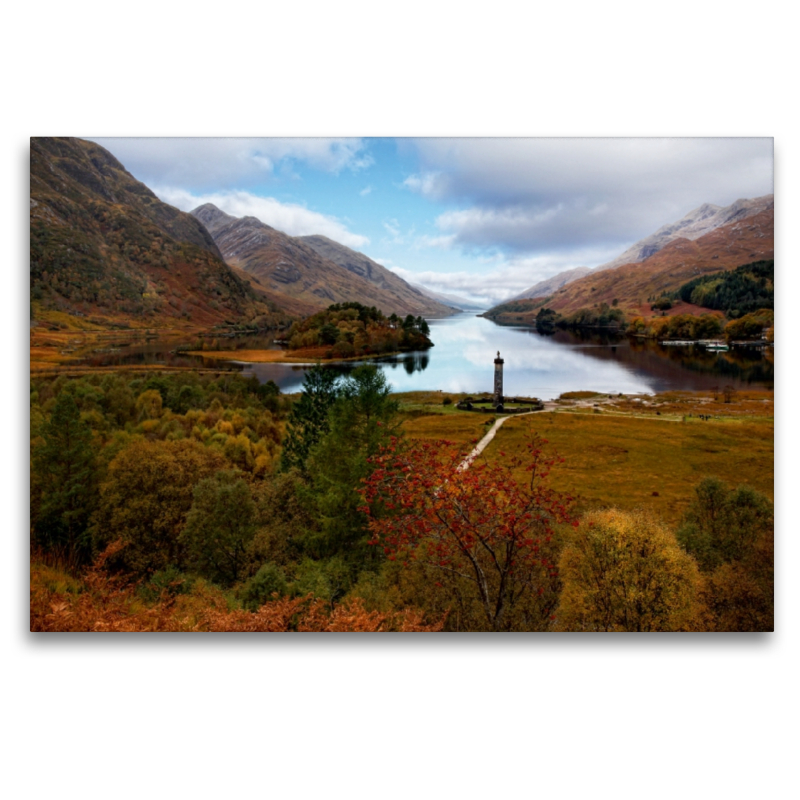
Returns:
(527, 196)
(296, 220)
(501, 278)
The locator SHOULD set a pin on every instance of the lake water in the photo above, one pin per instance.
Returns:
(465, 346)
(462, 360)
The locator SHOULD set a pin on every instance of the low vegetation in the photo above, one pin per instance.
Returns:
(202, 502)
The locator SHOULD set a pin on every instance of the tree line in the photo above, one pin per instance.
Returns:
(191, 501)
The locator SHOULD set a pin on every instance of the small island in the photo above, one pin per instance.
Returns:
(342, 331)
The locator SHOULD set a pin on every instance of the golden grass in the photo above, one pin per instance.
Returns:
(463, 427)
(251, 356)
(633, 455)
(630, 462)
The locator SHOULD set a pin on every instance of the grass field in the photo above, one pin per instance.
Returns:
(631, 452)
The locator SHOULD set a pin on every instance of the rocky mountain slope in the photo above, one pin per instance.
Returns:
(551, 285)
(696, 223)
(105, 248)
(742, 241)
(692, 226)
(294, 267)
(408, 296)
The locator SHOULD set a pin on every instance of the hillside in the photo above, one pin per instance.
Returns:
(293, 267)
(551, 285)
(692, 226)
(104, 248)
(408, 296)
(632, 286)
(726, 247)
(696, 223)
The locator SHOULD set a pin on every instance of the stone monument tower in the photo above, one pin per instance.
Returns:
(498, 380)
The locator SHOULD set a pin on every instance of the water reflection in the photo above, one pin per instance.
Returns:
(462, 360)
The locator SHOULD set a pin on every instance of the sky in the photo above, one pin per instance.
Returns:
(483, 218)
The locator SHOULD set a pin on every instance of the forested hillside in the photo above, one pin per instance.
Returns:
(737, 292)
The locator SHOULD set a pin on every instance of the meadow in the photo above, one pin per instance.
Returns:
(626, 452)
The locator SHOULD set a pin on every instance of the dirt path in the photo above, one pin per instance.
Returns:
(481, 446)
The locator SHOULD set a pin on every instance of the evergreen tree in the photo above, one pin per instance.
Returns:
(308, 421)
(65, 468)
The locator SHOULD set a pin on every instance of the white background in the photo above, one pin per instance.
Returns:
(468, 716)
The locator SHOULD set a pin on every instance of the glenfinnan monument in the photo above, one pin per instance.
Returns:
(498, 380)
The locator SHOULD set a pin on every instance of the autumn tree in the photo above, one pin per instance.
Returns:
(624, 571)
(146, 496)
(481, 529)
(219, 527)
(64, 463)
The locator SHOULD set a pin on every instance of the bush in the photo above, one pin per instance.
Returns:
(446, 401)
(260, 588)
(170, 581)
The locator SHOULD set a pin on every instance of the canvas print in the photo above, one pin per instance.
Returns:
(401, 385)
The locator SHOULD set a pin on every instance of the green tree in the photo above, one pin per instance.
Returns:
(64, 463)
(723, 525)
(219, 527)
(361, 422)
(731, 534)
(308, 420)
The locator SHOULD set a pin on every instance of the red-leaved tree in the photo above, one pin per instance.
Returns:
(484, 532)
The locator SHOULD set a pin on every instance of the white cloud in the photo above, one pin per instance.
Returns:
(537, 195)
(228, 163)
(296, 220)
(433, 185)
(442, 242)
(365, 191)
(393, 227)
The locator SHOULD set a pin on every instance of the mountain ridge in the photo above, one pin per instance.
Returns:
(696, 223)
(293, 266)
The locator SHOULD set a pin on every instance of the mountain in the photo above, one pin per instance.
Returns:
(104, 247)
(695, 224)
(453, 300)
(292, 266)
(409, 296)
(742, 241)
(551, 285)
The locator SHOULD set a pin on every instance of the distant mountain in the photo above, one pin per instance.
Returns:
(695, 224)
(742, 241)
(294, 267)
(104, 247)
(409, 296)
(453, 300)
(547, 287)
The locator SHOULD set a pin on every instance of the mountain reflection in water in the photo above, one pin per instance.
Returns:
(465, 346)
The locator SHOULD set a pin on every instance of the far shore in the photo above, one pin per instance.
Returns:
(305, 356)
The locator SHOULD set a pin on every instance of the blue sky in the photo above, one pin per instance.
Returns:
(481, 218)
